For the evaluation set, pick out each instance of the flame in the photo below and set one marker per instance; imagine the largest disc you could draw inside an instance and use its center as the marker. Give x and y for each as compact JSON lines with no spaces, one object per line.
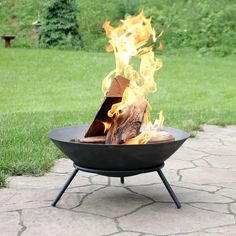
{"x":107,"y":126}
{"x":157,"y":125}
{"x":149,"y":130}
{"x":134,"y":37}
{"x":128,"y":98}
{"x":160,"y":121}
{"x":142,"y":138}
{"x":146,"y":136}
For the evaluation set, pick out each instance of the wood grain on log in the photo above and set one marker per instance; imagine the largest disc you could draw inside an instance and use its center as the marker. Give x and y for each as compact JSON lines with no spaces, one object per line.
{"x":160,"y":137}
{"x":95,"y":139}
{"x":128,"y":123}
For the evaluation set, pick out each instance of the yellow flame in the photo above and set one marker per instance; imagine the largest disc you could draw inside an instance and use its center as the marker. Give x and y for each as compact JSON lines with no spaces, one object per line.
{"x":146,"y":136}
{"x":157,"y":125}
{"x":149,"y":130}
{"x":107,"y":126}
{"x":133,"y":37}
{"x":128,"y":98}
{"x":142,"y":138}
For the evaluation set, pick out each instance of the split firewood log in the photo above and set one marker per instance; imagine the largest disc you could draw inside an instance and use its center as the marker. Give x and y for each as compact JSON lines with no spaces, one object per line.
{"x":127,"y":124}
{"x":162,"y":137}
{"x":95,"y":139}
{"x":155,"y":137}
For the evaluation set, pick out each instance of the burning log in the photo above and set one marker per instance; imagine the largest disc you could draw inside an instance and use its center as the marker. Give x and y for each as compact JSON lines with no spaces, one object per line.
{"x":162,"y":137}
{"x":127,"y":125}
{"x":95,"y":139}
{"x":154,"y":137}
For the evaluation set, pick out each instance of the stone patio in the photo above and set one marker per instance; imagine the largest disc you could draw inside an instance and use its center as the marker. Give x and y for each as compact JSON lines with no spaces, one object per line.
{"x":202,"y":173}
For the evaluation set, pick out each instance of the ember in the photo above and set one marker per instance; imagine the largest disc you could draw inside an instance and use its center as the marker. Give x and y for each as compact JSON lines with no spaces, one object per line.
{"x":125,"y":107}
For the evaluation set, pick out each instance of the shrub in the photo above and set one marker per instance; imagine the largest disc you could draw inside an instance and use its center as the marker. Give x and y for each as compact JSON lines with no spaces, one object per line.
{"x":203,"y":25}
{"x":128,"y":7}
{"x":60,"y":28}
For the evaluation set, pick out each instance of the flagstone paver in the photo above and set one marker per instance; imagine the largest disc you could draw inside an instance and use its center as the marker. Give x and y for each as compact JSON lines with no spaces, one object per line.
{"x":10,"y":223}
{"x":120,"y":201}
{"x":202,"y":174}
{"x":53,"y":221}
{"x":170,"y":220}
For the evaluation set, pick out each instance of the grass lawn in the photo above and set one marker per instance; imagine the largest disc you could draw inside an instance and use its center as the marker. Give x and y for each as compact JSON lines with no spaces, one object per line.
{"x":44,"y":89}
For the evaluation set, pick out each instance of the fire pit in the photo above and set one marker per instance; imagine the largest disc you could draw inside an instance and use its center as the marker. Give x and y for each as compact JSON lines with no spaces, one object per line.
{"x":115,"y":160}
{"x":122,"y":141}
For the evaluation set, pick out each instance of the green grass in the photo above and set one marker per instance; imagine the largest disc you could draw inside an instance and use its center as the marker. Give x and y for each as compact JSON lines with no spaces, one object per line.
{"x":3,"y":179}
{"x":44,"y":89}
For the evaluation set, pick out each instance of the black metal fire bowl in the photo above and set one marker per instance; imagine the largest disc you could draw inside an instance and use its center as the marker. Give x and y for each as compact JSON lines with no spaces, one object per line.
{"x":115,"y":160}
{"x":114,"y":157}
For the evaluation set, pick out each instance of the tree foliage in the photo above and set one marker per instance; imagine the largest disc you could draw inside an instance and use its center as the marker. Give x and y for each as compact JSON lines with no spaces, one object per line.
{"x":207,"y":26}
{"x":60,"y":27}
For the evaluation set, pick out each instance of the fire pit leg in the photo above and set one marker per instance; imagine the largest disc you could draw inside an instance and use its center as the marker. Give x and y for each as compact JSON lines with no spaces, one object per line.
{"x":67,"y":183}
{"x":170,"y":190}
{"x":122,"y":180}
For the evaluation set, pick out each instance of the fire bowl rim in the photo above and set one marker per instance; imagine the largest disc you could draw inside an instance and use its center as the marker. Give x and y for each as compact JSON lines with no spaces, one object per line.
{"x":50,"y":135}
